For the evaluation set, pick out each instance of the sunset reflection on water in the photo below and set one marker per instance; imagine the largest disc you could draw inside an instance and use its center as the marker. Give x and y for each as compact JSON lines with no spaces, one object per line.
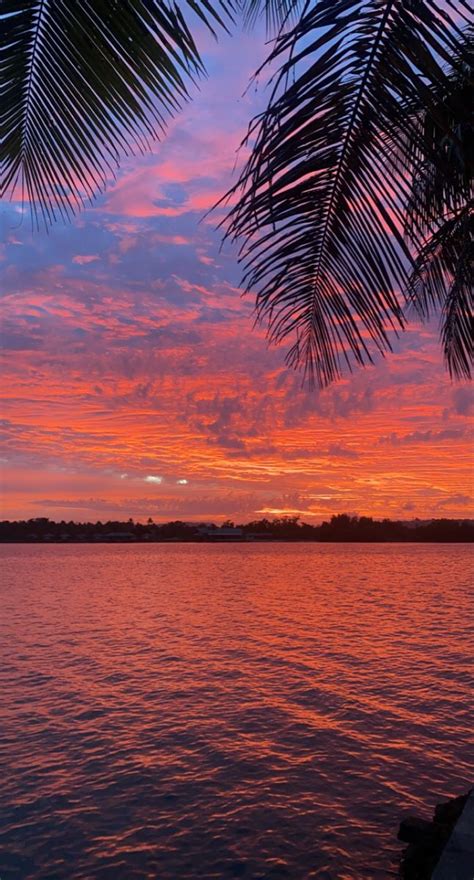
{"x":185,"y":711}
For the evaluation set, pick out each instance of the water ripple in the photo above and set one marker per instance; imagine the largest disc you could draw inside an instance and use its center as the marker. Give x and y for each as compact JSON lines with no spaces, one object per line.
{"x":176,"y":712}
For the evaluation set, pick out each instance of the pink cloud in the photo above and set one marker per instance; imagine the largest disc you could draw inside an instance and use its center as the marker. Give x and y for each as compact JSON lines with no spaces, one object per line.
{"x":84,"y":259}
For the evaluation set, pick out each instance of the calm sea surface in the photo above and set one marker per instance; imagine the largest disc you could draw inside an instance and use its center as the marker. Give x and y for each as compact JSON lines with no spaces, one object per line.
{"x":198,"y":711}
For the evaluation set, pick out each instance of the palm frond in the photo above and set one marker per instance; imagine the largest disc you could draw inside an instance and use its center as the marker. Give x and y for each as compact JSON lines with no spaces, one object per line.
{"x":85,"y":82}
{"x":220,"y":12}
{"x":442,"y":281}
{"x":457,"y":326}
{"x":441,"y":210}
{"x":442,"y":156}
{"x":322,"y":197}
{"x":278,"y":14}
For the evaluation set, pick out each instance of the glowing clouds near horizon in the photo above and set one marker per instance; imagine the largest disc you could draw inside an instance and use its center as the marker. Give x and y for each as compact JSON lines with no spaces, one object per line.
{"x":130,"y":359}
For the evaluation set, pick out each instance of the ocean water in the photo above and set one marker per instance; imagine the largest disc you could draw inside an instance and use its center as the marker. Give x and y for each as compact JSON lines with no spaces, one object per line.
{"x":248,"y":711}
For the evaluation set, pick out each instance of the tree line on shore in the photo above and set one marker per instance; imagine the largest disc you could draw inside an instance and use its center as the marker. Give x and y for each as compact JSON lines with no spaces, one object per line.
{"x":340,"y":528}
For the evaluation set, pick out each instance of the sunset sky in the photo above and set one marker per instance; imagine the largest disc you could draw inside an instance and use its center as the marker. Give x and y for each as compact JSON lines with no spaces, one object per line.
{"x":134,"y":384}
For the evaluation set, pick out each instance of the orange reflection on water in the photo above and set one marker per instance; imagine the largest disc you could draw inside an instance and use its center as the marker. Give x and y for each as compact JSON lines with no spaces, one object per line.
{"x":253,"y":709}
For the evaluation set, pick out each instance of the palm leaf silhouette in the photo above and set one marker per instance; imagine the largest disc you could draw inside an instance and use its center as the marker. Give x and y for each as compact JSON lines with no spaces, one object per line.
{"x":358,"y":190}
{"x":441,"y":210}
{"x":323,"y":198}
{"x":278,"y":14}
{"x":86,"y":82}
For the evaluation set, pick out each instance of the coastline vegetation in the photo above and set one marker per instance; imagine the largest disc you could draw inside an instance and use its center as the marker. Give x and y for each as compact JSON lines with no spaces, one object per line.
{"x":341,"y":528}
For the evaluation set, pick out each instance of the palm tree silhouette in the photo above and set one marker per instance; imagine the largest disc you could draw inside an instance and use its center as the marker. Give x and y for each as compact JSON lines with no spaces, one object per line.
{"x":357,"y":199}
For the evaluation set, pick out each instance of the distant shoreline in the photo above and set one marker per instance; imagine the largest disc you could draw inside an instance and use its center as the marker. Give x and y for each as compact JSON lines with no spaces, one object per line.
{"x":342,"y":529}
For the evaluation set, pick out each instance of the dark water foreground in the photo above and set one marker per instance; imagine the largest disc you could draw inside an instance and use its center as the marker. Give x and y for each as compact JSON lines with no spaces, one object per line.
{"x":198,"y":711}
